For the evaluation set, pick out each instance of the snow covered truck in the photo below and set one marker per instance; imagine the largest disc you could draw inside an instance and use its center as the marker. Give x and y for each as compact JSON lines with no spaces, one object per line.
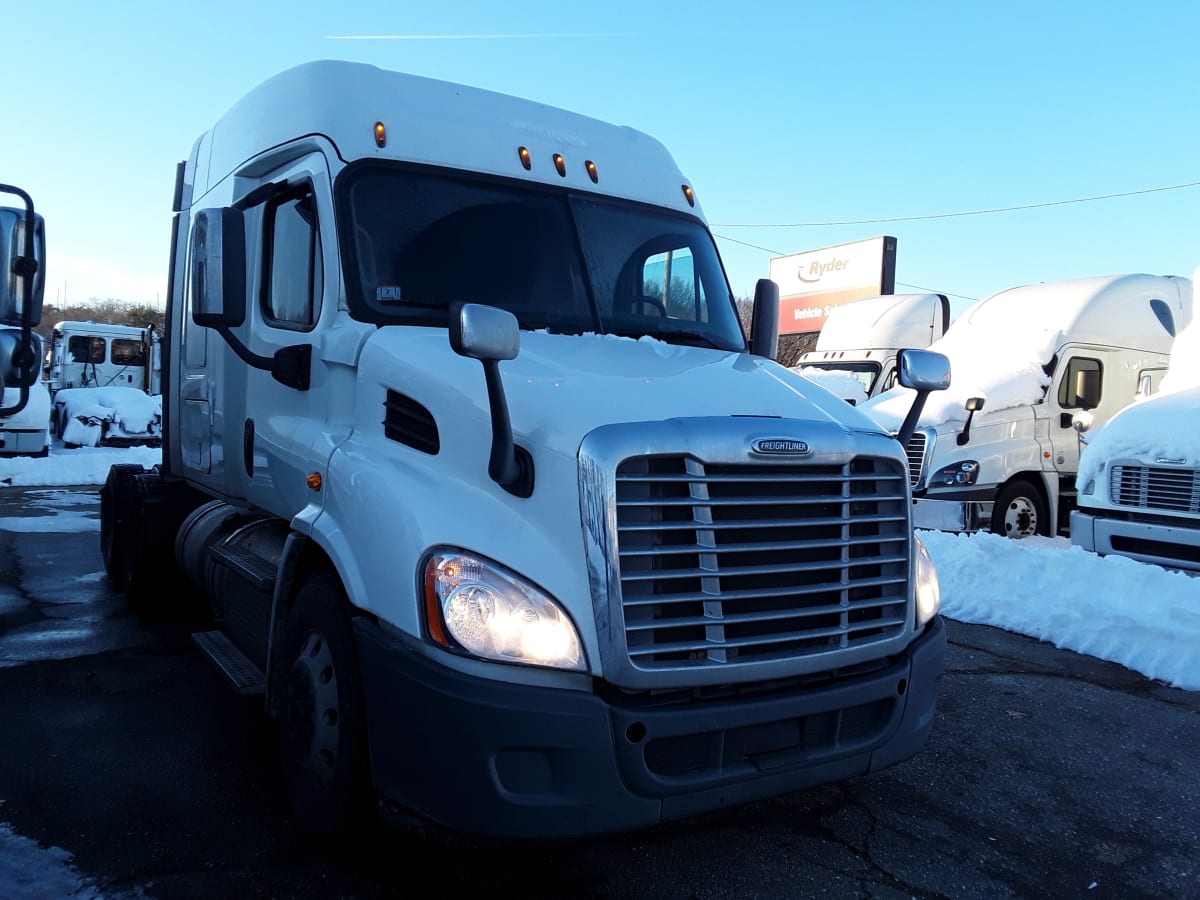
{"x":859,"y":344}
{"x":1139,"y":475}
{"x":104,"y":382}
{"x":490,"y":496}
{"x":1033,"y":366}
{"x":24,"y":403}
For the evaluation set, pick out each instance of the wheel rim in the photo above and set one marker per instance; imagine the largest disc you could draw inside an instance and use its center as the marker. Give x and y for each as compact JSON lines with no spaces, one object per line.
{"x":313,"y":722}
{"x":1020,"y":518}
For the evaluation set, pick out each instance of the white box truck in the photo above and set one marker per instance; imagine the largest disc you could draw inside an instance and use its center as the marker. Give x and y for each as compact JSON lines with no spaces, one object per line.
{"x":1139,"y":475}
{"x":1000,"y":450}
{"x":489,"y":494}
{"x":856,"y":352}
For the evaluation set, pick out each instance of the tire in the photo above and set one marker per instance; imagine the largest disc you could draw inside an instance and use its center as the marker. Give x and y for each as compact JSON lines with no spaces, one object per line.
{"x":1020,"y":511}
{"x":322,"y":733}
{"x":118,"y":497}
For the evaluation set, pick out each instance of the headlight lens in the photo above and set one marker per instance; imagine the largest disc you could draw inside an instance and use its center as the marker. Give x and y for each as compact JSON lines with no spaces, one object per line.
{"x":959,"y":473}
{"x":928,"y":594}
{"x":478,"y":607}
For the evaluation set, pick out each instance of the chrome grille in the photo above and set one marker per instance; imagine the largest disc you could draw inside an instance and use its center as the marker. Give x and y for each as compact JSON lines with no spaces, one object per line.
{"x":741,"y":563}
{"x":1149,"y":487}
{"x":915,"y":451}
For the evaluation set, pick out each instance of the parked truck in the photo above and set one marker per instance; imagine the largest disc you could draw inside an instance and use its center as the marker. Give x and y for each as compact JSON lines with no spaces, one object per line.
{"x":24,"y":402}
{"x":1139,"y":475}
{"x":104,"y":382}
{"x":860,"y":342}
{"x":491,"y":498}
{"x":1001,"y":450}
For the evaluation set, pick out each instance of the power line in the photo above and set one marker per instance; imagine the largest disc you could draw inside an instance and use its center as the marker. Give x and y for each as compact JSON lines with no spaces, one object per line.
{"x":973,"y":212}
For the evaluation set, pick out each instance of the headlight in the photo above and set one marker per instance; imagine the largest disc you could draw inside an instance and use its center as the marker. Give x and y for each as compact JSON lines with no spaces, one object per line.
{"x":928,"y":594}
{"x":1088,"y":488}
{"x":959,"y":473}
{"x":480,"y":608}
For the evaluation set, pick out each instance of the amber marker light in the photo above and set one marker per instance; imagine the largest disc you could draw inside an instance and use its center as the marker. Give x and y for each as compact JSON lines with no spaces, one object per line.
{"x":592,"y":173}
{"x":691,"y":197}
{"x":526,"y":159}
{"x":380,"y":134}
{"x":433,"y":609}
{"x":313,"y":481}
{"x":560,"y":164}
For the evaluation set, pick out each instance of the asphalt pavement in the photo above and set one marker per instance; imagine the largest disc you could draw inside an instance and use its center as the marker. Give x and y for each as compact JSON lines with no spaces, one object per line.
{"x":1049,"y":774}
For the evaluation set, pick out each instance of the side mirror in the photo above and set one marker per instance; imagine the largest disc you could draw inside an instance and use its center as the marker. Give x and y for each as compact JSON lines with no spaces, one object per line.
{"x":1083,"y":421}
{"x":491,"y":335}
{"x":484,"y":332}
{"x":218,"y":268}
{"x":764,"y":323}
{"x":22,"y":276}
{"x":972,"y":406}
{"x":924,"y":372}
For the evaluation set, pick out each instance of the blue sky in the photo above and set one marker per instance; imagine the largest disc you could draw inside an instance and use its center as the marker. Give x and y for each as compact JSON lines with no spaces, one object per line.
{"x":778,"y":113}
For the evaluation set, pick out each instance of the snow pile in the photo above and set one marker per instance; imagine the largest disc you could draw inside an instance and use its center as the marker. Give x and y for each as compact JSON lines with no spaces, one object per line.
{"x":1004,"y":362}
{"x":85,"y":465}
{"x":1141,"y":616}
{"x":839,"y":382}
{"x":95,"y":415}
{"x":29,"y":871}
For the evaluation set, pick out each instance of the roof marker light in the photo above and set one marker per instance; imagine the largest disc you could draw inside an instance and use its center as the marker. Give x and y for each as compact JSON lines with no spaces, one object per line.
{"x":560,"y":164}
{"x":380,"y":134}
{"x":691,"y":197}
{"x":592,"y":173}
{"x":526,"y":160}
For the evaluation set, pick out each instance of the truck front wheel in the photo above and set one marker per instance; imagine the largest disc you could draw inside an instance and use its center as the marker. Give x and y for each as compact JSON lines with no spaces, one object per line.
{"x":1020,"y":511}
{"x":322,"y":724}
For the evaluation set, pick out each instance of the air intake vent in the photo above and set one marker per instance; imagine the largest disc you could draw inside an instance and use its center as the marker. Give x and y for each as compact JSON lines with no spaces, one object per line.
{"x":408,"y":422}
{"x":915,"y":451}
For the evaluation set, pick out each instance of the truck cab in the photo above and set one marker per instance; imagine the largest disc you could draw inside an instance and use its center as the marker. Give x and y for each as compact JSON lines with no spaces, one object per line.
{"x":1139,"y":475}
{"x":490,"y":497}
{"x":1034,"y":366}
{"x":861,"y":341}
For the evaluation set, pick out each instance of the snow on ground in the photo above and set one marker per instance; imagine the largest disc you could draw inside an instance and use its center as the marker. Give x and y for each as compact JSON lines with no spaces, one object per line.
{"x":31,"y":872}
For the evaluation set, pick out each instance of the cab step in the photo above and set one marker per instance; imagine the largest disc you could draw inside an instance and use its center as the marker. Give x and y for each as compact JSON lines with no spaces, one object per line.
{"x":245,"y":677}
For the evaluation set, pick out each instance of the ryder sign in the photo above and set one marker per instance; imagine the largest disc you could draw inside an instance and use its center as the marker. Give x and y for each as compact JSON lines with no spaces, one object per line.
{"x":813,"y":282}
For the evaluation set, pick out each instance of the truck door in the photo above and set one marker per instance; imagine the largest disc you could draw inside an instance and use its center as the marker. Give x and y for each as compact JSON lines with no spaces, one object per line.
{"x":1087,"y":379}
{"x":293,"y":289}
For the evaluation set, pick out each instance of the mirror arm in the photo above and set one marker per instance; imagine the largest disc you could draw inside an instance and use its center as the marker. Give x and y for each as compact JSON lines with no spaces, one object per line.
{"x":965,"y":435}
{"x":910,"y":421}
{"x":290,"y":366}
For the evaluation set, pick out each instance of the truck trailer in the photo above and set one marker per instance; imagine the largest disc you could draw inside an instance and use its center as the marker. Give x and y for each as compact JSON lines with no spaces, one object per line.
{"x":1034,"y":366}
{"x":490,"y":496}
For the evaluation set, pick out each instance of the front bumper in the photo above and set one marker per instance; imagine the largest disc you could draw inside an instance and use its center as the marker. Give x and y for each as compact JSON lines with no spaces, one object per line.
{"x":504,"y":760}
{"x":957,"y":514}
{"x":1168,"y":545}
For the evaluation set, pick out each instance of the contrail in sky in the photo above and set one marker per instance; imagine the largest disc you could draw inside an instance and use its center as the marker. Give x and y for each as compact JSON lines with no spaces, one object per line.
{"x":462,"y":37}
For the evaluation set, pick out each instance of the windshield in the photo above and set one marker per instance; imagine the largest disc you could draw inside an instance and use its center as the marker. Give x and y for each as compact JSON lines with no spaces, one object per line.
{"x":865,"y":372}
{"x":417,"y":240}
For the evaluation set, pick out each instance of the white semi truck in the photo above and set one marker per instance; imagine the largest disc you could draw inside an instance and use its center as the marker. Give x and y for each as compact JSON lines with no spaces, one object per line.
{"x":489,"y":494}
{"x":859,"y":345}
{"x":1000,"y":451}
{"x":1139,"y":475}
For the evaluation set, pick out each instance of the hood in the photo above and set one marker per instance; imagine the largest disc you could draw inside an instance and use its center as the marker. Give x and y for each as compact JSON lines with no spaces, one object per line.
{"x":1163,"y":430}
{"x":561,"y":387}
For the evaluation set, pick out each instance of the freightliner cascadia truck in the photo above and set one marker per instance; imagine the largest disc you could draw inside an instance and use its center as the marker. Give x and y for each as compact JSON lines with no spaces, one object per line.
{"x":490,"y":496}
